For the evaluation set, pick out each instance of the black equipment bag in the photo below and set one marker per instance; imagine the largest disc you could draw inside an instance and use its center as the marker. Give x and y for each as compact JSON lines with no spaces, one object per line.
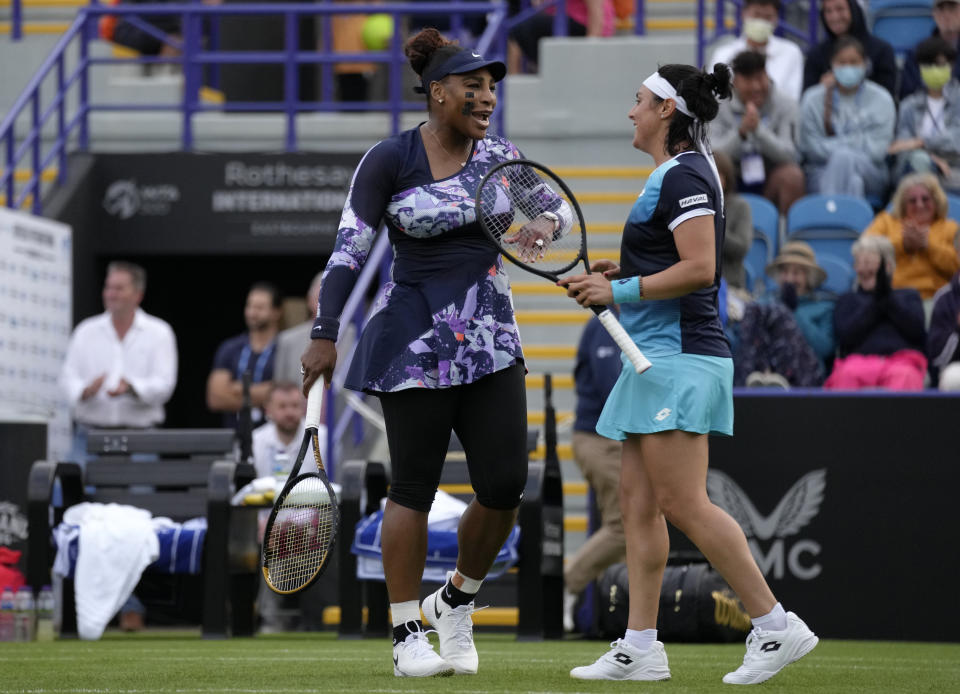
{"x":696,"y":605}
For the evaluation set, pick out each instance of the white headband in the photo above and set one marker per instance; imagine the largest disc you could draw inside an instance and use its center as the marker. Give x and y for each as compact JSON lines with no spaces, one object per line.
{"x":662,"y":88}
{"x":659,"y":86}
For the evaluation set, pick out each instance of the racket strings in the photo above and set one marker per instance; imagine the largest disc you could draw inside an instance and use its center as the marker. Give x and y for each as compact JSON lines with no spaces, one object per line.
{"x":515,"y":196}
{"x":301,"y":535}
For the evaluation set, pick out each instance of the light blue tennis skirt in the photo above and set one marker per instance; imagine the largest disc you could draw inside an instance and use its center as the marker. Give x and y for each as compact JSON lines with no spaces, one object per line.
{"x":690,"y":392}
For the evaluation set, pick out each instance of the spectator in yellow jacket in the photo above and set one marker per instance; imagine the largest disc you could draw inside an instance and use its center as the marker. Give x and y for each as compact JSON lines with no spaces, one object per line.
{"x":921,"y":235}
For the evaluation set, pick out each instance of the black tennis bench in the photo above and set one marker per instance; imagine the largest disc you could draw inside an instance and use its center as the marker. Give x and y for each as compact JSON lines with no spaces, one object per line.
{"x":536,"y":580}
{"x":191,"y":473}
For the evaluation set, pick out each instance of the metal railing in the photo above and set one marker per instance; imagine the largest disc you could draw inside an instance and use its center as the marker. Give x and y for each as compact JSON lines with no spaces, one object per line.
{"x":196,"y":57}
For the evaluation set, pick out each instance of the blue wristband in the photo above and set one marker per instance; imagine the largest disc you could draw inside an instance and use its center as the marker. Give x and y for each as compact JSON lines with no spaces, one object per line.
{"x":626,"y":290}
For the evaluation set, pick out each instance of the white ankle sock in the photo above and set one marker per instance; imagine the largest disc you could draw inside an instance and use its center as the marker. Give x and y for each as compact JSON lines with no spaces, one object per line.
{"x":640,"y":639}
{"x":471,"y":586}
{"x":403,"y":612}
{"x":774,"y":620}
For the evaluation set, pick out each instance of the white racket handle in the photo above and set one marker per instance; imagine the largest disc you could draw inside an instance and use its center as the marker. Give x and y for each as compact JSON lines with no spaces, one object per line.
{"x":624,"y":341}
{"x":315,"y":404}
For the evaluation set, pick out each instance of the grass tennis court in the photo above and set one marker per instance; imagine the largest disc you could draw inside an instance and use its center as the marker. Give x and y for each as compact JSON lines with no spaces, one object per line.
{"x":181,"y":662}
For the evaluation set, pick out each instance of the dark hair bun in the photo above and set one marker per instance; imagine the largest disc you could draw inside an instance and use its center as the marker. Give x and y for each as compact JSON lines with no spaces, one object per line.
{"x":420,"y":48}
{"x":719,"y":82}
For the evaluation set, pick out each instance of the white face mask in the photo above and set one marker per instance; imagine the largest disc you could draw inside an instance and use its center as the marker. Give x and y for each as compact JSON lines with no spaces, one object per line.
{"x":757,"y":30}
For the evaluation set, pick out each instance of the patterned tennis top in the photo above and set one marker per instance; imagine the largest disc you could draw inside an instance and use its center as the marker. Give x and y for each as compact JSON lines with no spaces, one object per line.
{"x":446,"y":316}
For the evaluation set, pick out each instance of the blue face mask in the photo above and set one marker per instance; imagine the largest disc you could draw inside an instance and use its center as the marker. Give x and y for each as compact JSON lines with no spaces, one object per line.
{"x":849,"y":76}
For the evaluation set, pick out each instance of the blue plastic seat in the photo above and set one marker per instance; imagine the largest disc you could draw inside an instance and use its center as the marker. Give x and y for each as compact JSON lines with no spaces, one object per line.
{"x":766,"y":223}
{"x":830,"y":224}
{"x":953,"y":206}
{"x":840,"y":274}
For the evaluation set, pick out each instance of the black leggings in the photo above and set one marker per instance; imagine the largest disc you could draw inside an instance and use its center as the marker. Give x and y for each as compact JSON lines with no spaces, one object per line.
{"x":489,"y":417}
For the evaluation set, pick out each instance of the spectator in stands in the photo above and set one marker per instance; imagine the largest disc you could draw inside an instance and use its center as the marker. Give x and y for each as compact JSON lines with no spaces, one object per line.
{"x":121,"y":365}
{"x":846,"y":128}
{"x":785,"y":340}
{"x":292,"y":341}
{"x":943,"y":342}
{"x":921,"y":235}
{"x":756,"y":129}
{"x":784,"y":58}
{"x":584,"y":18}
{"x":879,"y":330}
{"x":253,"y":351}
{"x":739,"y":224}
{"x":928,"y":130}
{"x":277,"y":443}
{"x":120,"y":370}
{"x":596,"y":370}
{"x":946,"y":14}
{"x":845,"y":18}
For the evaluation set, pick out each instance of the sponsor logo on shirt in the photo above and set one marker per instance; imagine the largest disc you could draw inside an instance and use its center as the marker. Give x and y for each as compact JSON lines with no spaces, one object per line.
{"x":693,"y":200}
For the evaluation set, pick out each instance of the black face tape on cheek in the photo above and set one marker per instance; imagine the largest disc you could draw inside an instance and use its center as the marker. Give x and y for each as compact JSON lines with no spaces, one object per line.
{"x":467,"y":108}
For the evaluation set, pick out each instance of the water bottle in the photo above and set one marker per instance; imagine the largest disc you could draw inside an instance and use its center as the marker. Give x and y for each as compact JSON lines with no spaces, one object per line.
{"x":24,"y":619}
{"x":45,"y":631}
{"x":7,"y":613}
{"x":281,"y":466}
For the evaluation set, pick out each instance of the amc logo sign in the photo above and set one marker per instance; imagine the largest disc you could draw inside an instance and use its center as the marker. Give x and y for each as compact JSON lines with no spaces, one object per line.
{"x":773,"y":538}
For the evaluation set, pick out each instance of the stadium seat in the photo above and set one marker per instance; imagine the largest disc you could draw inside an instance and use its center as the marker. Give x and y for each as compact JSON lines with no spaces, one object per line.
{"x":830,"y":224}
{"x":953,"y":206}
{"x":766,"y":223}
{"x":840,"y":274}
{"x":901,"y":23}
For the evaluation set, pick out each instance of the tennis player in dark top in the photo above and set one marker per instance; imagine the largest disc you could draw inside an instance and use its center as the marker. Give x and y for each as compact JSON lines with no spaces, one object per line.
{"x":442,"y":350}
{"x":666,"y":285}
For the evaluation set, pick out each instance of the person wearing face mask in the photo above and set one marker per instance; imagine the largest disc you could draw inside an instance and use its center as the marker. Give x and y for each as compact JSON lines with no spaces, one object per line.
{"x":946,"y":15}
{"x":928,"y":130}
{"x":846,"y":128}
{"x":784,"y":58}
{"x":845,"y":18}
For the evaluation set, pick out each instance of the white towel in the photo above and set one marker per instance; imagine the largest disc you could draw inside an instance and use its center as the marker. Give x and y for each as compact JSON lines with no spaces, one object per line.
{"x":116,"y":544}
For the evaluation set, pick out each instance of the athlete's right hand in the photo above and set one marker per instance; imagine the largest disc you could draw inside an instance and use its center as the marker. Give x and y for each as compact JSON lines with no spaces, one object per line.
{"x":610,"y":269}
{"x":318,"y":361}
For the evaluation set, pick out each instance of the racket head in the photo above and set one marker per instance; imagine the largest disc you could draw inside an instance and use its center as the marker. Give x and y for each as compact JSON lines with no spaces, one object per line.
{"x":516,"y":192}
{"x":302,"y":529}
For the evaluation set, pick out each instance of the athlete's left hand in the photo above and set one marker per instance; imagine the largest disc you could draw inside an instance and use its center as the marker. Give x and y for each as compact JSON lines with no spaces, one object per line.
{"x":532,"y":239}
{"x":588,"y":290}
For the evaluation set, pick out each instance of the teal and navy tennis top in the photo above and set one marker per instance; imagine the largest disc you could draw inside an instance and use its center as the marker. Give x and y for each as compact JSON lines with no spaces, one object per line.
{"x":679,"y":189}
{"x":446,"y":317}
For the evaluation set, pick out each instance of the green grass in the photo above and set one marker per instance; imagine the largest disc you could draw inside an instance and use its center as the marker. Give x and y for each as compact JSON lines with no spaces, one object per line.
{"x":179,"y":662}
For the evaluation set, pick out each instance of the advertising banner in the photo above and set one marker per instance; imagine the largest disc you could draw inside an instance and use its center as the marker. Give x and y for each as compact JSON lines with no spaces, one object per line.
{"x":189,"y":203}
{"x":35,"y":325}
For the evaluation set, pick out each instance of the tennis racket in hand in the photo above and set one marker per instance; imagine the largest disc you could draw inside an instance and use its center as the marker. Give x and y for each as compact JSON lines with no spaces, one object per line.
{"x":534,"y":219}
{"x":303,"y":525}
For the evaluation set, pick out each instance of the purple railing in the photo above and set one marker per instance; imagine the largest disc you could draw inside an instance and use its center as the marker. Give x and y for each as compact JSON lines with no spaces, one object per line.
{"x":194,"y":59}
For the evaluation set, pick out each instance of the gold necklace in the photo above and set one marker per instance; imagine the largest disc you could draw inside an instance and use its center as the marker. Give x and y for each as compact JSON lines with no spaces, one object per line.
{"x":462,"y":163}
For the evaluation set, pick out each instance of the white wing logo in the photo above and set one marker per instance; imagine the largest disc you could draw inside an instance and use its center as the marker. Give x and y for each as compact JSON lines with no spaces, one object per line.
{"x":795,"y":510}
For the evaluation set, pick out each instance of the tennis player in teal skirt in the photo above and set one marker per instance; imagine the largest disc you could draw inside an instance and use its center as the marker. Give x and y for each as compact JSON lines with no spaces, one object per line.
{"x":666,"y":285}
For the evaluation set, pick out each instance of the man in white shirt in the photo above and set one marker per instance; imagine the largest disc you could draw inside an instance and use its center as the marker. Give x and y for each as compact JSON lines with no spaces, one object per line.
{"x":120,"y":370}
{"x":784,"y":58}
{"x":121,"y":365}
{"x":277,"y":443}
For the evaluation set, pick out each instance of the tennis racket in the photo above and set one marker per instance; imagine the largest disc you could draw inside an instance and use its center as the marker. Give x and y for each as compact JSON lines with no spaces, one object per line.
{"x":302,"y":528}
{"x":536,"y":222}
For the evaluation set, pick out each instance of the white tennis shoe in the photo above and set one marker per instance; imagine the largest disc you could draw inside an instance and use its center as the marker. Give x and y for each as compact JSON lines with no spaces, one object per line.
{"x":625,"y":662}
{"x":768,"y":652}
{"x":454,"y":626}
{"x":415,"y":657}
